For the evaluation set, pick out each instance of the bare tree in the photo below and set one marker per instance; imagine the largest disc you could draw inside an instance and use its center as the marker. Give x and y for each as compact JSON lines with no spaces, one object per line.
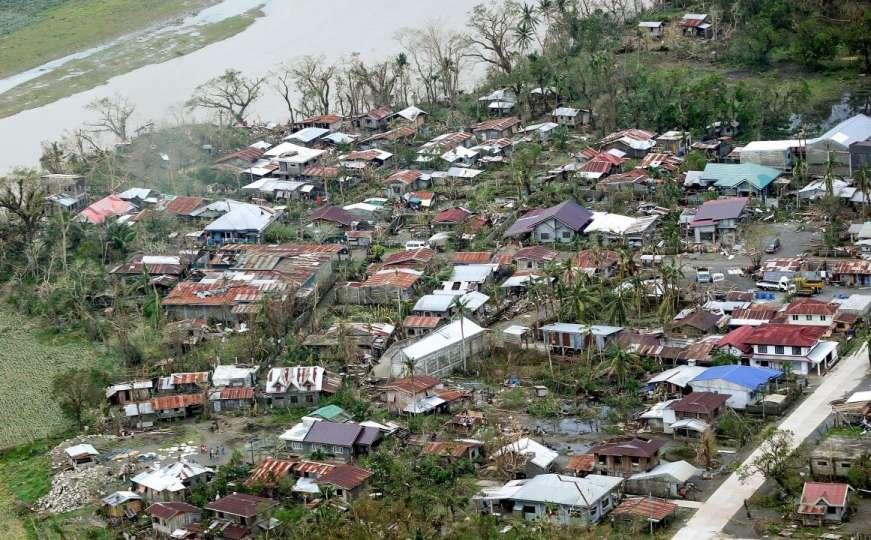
{"x":24,"y":198}
{"x":492,"y":36}
{"x":230,"y":93}
{"x":113,"y":115}
{"x":438,"y":58}
{"x":282,"y":82}
{"x":379,"y":79}
{"x":314,"y":78}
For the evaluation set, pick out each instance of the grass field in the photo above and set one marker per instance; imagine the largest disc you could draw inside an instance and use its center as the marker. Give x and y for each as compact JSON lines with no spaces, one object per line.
{"x":28,"y":363}
{"x":41,"y":30}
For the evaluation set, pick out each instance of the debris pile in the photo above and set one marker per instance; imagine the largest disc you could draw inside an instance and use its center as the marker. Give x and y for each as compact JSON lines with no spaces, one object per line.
{"x":73,"y":489}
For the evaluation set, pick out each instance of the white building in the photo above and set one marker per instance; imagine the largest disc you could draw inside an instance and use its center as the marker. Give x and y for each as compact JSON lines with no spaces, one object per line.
{"x":441,"y":351}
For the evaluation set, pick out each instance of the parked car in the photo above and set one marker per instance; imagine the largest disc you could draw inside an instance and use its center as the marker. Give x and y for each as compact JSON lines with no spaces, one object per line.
{"x":411,"y":245}
{"x":773,"y":246}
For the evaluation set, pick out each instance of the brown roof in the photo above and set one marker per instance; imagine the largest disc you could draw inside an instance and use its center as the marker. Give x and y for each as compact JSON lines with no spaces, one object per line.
{"x":451,"y":394}
{"x":270,"y":471}
{"x":406,"y":176}
{"x":410,"y":385}
{"x":421,"y":321}
{"x":589,"y":258}
{"x":699,"y":319}
{"x":472,"y":257}
{"x":319,"y":171}
{"x":168,"y":510}
{"x":497,"y":124}
{"x":322,"y":119}
{"x":452,"y":215}
{"x":379,"y":113}
{"x":217,"y":293}
{"x":241,"y":504}
{"x":197,"y":377}
{"x":249,"y":153}
{"x":346,"y":476}
{"x":183,"y":206}
{"x":447,"y":448}
{"x":626,"y":446}
{"x":699,"y":403}
{"x":163,"y":403}
{"x":809,"y":306}
{"x":401,"y":258}
{"x":582,"y":463}
{"x":395,"y":277}
{"x":646,"y":507}
{"x":536,"y":253}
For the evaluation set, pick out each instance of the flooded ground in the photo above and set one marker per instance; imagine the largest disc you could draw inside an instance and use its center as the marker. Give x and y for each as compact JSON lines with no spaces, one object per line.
{"x":288,"y":29}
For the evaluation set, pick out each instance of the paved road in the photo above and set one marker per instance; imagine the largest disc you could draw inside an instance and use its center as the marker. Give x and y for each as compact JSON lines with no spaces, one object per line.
{"x":715,"y":513}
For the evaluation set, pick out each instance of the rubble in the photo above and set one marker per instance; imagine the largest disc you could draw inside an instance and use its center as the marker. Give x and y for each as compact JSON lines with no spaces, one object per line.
{"x":75,"y":488}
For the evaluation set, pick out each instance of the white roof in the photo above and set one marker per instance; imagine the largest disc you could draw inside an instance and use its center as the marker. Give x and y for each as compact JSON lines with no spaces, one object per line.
{"x":505,"y":94}
{"x":854,"y":129}
{"x":120,"y":497}
{"x":442,"y":338}
{"x":462,"y":172}
{"x":137,"y":409}
{"x":477,"y":273}
{"x":691,"y":423}
{"x":637,"y":144}
{"x":658,"y":410}
{"x":859,"y":397}
{"x":366,"y":207}
{"x":340,"y":138}
{"x":308,"y":378}
{"x":540,"y":455}
{"x":567,"y":490}
{"x":308,"y":134}
{"x":522,"y":281}
{"x":293,"y":153}
{"x":618,"y":224}
{"x":516,"y":330}
{"x":80,"y":449}
{"x":438,"y":303}
{"x":423,"y":405}
{"x":161,"y":259}
{"x":821,"y":350}
{"x":768,"y":146}
{"x":170,"y":477}
{"x":859,"y":303}
{"x":678,"y":471}
{"x":223,"y":206}
{"x":650,"y":24}
{"x":572,"y":328}
{"x":271,"y":185}
{"x":249,"y":217}
{"x":473,"y":300}
{"x":543,"y":127}
{"x":135,"y":385}
{"x":565,"y":111}
{"x":306,"y":485}
{"x":225,"y":375}
{"x":136,"y":193}
{"x":410,"y":113}
{"x":458,"y":153}
{"x":678,"y":376}
{"x":300,"y":430}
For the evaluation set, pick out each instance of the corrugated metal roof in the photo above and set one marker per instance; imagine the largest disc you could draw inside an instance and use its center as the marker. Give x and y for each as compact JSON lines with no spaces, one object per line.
{"x":746,"y":376}
{"x":650,"y":508}
{"x":569,"y":213}
{"x":175,"y":402}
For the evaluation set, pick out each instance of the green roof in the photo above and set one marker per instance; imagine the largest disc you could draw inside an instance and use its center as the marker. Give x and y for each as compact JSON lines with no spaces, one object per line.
{"x":729,"y":175}
{"x":331,"y":412}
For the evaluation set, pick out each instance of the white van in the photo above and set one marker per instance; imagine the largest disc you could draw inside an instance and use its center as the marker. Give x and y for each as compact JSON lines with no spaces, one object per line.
{"x":411,"y":245}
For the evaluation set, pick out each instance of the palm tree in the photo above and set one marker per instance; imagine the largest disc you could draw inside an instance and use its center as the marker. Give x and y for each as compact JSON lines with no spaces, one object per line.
{"x":619,"y":363}
{"x":863,"y":184}
{"x":460,"y":310}
{"x":615,"y":306}
{"x":409,"y":366}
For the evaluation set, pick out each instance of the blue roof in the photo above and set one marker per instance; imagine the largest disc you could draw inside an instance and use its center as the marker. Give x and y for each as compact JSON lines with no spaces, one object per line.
{"x":746,"y":376}
{"x":729,"y":175}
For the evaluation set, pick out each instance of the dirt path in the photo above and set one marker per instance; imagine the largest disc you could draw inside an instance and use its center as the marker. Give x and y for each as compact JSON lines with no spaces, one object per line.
{"x":716,"y":512}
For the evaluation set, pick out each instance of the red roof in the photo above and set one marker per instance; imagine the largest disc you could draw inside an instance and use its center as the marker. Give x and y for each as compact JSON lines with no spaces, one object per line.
{"x":406,"y":176}
{"x":411,"y":385}
{"x":363,"y":155}
{"x":737,"y":338}
{"x":390,"y":276}
{"x":785,"y":334}
{"x":816,"y":496}
{"x":646,"y":507}
{"x":699,"y":403}
{"x":334,"y":214}
{"x":191,"y":293}
{"x":196,"y":377}
{"x":168,"y":510}
{"x":597,"y":166}
{"x":421,"y":321}
{"x":234,"y":392}
{"x":582,"y":463}
{"x":345,"y":476}
{"x":809,"y":306}
{"x":270,"y":471}
{"x":472,"y":257}
{"x":163,"y":403}
{"x":452,"y":215}
{"x":183,"y":206}
{"x":589,"y":258}
{"x":379,"y":113}
{"x":108,"y":206}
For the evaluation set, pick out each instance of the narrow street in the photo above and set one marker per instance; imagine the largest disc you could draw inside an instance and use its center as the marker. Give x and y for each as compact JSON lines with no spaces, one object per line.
{"x":715,"y":513}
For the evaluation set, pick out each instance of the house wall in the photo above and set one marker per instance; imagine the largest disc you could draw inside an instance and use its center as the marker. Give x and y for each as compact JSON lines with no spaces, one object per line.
{"x":294,"y":398}
{"x":565,"y":515}
{"x":655,"y":487}
{"x":444,"y":361}
{"x":553,"y":231}
{"x":624,"y":465}
{"x":343,"y":453}
{"x":825,"y":465}
{"x":810,"y":320}
{"x":739,"y":397}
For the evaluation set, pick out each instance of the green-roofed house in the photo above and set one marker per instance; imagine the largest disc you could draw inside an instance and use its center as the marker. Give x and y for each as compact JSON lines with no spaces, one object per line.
{"x":332,"y":413}
{"x":740,"y":179}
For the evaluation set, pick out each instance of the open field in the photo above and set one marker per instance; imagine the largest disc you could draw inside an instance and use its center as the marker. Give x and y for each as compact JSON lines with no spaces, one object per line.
{"x":44,"y":29}
{"x":28,"y":362}
{"x":152,"y":47}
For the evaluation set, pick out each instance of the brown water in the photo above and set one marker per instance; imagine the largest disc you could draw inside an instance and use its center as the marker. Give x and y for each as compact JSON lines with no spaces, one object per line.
{"x":291,"y":28}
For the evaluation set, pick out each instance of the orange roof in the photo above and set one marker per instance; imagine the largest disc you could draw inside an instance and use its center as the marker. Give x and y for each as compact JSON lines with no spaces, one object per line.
{"x":183,"y":206}
{"x":318,"y":171}
{"x":395,"y":277}
{"x":410,"y":385}
{"x":450,"y":394}
{"x":240,"y":392}
{"x":809,"y":306}
{"x":497,"y":124}
{"x":406,"y":176}
{"x":472,"y":257}
{"x":401,"y":258}
{"x":190,"y":293}
{"x":581,"y":463}
{"x":196,"y":377}
{"x":270,"y":471}
{"x":646,"y":507}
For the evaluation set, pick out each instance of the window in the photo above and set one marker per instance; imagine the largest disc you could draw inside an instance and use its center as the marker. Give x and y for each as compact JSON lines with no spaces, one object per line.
{"x":529,"y":264}
{"x":567,"y":234}
{"x":296,"y":445}
{"x":795,"y":317}
{"x":635,"y":460}
{"x":823,"y":463}
{"x":294,"y":399}
{"x":763,"y":349}
{"x":796,"y":351}
{"x":309,"y":399}
{"x":831,"y":510}
{"x":544,"y":236}
{"x":527,"y":509}
{"x":809,"y":317}
{"x":778,"y":349}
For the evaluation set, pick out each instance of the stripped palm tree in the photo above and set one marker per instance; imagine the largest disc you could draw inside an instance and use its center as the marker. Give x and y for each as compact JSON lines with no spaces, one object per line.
{"x":618,"y":365}
{"x":460,"y":310}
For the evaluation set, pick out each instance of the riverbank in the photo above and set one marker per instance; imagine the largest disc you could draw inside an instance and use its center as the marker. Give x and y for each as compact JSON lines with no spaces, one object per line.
{"x":79,"y":73}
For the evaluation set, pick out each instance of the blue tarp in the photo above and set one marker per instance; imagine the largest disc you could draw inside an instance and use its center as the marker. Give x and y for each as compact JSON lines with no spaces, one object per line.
{"x":746,"y":376}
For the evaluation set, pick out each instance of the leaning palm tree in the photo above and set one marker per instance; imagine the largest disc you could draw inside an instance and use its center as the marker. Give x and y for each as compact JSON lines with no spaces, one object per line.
{"x":409,"y":366}
{"x":619,"y":363}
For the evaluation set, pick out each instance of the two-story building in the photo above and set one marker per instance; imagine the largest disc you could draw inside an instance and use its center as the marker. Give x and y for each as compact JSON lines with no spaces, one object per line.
{"x":299,"y":386}
{"x":718,"y":220}
{"x":625,"y":456}
{"x":800,"y":347}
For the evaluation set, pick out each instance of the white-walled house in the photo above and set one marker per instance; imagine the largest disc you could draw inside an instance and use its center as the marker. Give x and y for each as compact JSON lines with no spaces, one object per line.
{"x":745,"y":385}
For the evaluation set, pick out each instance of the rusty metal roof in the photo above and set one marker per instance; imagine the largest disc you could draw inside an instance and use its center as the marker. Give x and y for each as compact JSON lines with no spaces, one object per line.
{"x":421,"y":321}
{"x":499,"y":124}
{"x":412,"y":385}
{"x":397,"y":277}
{"x":406,"y":176}
{"x":401,"y":258}
{"x":233,"y":392}
{"x":270,"y":471}
{"x":646,"y":507}
{"x":163,"y":403}
{"x":472,"y":257}
{"x":197,"y":377}
{"x":447,"y":448}
{"x":345,"y":476}
{"x":241,"y":504}
{"x":183,"y":206}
